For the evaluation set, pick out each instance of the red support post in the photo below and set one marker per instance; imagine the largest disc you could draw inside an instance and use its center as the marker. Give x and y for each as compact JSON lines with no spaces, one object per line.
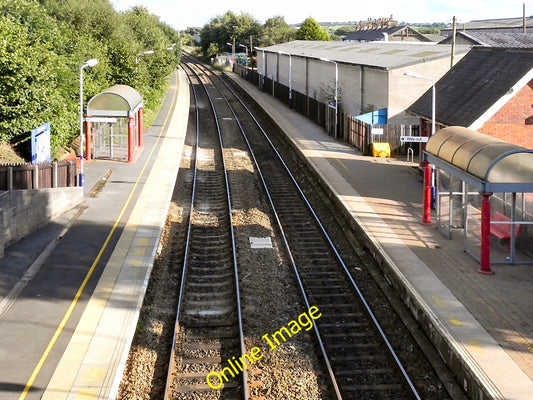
{"x":485,"y":235}
{"x":88,"y":138}
{"x":426,"y":216}
{"x":131,"y":138}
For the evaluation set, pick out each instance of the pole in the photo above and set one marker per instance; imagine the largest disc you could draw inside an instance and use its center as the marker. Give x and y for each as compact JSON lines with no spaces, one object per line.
{"x":454,"y":30}
{"x":336,"y":97}
{"x":90,"y":63}
{"x":426,"y":214}
{"x":485,"y":235}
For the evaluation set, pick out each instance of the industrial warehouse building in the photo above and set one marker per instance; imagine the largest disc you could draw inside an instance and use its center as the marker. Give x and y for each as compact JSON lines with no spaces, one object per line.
{"x":370,"y":76}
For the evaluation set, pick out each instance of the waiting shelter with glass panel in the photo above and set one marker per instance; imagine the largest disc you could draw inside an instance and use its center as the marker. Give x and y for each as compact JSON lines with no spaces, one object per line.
{"x":114,"y":124}
{"x":484,"y":190}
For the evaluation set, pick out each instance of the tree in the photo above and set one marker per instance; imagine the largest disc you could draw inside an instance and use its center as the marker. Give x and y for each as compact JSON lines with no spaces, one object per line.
{"x":43,"y":43}
{"x":312,"y":30}
{"x":228,"y":28}
{"x":275,"y":31}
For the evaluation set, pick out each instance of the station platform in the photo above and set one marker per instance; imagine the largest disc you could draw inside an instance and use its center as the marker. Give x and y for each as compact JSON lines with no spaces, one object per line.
{"x":71,"y":292}
{"x":482,"y":325}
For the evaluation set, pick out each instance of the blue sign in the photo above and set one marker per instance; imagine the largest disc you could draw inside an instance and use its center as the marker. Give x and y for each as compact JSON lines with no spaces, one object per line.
{"x":40,"y":144}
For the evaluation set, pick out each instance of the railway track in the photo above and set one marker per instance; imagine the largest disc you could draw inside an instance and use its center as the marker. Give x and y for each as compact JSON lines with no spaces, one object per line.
{"x":357,"y":355}
{"x":208,"y":326}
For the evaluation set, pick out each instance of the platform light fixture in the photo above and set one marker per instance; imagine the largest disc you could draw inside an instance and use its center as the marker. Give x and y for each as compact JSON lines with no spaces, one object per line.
{"x":144,"y":53}
{"x":89,"y":63}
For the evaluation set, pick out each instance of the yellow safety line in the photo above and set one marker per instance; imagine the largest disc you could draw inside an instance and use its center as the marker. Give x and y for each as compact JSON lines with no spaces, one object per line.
{"x":74,"y":302}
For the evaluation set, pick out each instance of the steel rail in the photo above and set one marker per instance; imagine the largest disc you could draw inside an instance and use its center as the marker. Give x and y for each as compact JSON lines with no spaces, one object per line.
{"x":331,"y":244}
{"x":168,"y":391}
{"x":229,"y":213}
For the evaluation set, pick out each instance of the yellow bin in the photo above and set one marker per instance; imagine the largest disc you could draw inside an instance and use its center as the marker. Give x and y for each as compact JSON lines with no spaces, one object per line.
{"x":380,"y":149}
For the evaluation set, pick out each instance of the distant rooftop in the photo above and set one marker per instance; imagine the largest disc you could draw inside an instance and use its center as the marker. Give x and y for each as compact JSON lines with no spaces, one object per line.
{"x":395,"y":33}
{"x":496,"y":39}
{"x":386,"y":55}
{"x":500,"y":24}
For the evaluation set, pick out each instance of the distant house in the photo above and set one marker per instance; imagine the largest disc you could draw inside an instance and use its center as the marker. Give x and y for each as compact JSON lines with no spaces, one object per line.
{"x":392,"y":34}
{"x":515,"y":25}
{"x":492,"y":39}
{"x":489,"y":90}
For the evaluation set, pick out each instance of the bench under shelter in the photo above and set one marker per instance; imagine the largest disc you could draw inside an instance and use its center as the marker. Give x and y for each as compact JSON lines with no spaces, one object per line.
{"x":484,"y":190}
{"x":114,"y":124}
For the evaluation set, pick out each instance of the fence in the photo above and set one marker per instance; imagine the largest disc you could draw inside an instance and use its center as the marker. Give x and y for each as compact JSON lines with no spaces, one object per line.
{"x":347,"y":127}
{"x":38,"y":176}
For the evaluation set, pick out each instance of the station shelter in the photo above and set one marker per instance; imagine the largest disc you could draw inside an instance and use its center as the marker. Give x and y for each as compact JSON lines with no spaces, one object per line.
{"x":114,"y":124}
{"x":484,"y":191}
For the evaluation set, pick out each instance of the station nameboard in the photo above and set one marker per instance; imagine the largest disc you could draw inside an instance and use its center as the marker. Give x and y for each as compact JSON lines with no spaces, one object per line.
{"x":40,"y":144}
{"x":414,"y":139}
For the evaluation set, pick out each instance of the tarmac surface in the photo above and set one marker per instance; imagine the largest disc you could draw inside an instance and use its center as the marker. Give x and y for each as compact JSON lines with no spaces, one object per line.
{"x":67,"y":319}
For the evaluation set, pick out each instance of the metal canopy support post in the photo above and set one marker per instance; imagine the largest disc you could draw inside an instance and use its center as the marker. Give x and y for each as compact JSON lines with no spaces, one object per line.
{"x":485,"y":235}
{"x":426,"y":217}
{"x":512,"y":239}
{"x":131,"y":136}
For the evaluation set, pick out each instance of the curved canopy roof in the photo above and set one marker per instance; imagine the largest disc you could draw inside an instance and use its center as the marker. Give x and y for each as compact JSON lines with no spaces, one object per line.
{"x":490,"y":164}
{"x":117,"y":101}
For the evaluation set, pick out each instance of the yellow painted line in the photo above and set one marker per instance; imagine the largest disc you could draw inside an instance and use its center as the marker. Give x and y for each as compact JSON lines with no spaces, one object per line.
{"x":456,"y":322}
{"x":342,"y":164}
{"x":438,"y":301}
{"x":74,"y":302}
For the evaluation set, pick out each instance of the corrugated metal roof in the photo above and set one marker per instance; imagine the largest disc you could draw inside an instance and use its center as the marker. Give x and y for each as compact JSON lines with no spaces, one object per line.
{"x":496,"y":165}
{"x":386,"y":55}
{"x":117,"y":101}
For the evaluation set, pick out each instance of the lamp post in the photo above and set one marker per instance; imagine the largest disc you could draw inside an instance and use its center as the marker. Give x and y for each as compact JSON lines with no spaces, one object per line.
{"x":428,"y":170}
{"x":418,"y":76}
{"x":90,"y":63}
{"x":336,"y":90}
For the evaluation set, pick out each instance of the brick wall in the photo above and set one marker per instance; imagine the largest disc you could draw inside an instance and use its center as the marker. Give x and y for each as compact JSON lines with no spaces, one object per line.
{"x":509,"y":123}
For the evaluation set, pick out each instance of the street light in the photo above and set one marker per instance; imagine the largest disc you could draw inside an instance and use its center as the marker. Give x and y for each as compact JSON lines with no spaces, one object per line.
{"x":429,"y":176}
{"x":143,"y":54}
{"x":232,"y":47}
{"x":245,"y":48}
{"x":418,"y":76}
{"x":90,"y":63}
{"x":336,"y":90}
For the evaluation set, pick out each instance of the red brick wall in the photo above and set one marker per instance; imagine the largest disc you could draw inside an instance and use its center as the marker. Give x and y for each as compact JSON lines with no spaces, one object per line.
{"x":509,"y":123}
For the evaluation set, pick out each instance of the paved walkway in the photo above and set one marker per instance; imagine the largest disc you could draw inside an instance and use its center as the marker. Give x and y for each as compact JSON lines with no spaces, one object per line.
{"x":67,"y":333}
{"x":483,"y":325}
{"x":94,"y":360}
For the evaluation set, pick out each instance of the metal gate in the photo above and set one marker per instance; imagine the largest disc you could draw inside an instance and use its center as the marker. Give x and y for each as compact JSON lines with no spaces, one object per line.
{"x":110,"y":139}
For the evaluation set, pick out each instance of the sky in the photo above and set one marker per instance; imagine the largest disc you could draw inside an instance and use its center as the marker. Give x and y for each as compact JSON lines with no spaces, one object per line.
{"x":187,"y":13}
